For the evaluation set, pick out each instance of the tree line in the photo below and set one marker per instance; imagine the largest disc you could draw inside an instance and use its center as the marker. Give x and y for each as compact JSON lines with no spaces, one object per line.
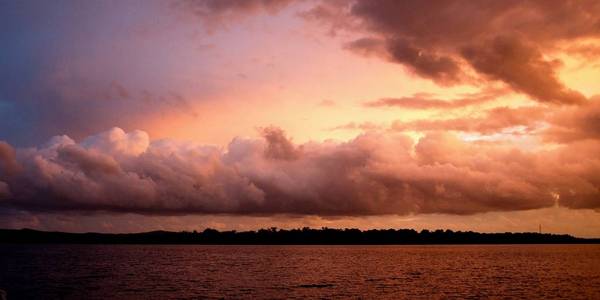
{"x":303,"y":236}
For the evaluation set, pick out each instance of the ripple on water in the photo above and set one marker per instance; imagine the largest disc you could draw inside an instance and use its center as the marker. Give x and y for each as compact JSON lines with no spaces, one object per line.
{"x":297,"y":272}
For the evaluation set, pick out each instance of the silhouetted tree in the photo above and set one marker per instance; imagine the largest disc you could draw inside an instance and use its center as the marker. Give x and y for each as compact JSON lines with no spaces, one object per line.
{"x":287,"y":237}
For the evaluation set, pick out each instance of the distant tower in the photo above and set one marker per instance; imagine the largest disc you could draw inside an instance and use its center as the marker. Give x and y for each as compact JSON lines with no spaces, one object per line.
{"x":540,"y":228}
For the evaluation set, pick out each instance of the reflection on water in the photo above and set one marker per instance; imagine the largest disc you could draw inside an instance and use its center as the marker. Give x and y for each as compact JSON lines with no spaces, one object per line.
{"x":425,"y":272}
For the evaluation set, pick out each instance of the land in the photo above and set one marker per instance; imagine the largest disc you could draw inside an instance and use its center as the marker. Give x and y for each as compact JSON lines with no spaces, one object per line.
{"x":304,"y":236}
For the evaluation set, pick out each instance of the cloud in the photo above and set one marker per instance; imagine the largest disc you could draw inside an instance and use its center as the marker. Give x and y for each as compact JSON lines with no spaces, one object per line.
{"x":373,"y":174}
{"x":587,"y":51}
{"x":236,"y":6}
{"x":91,"y":163}
{"x":365,"y":126}
{"x":554,"y":125}
{"x":4,"y":190}
{"x":327,"y":103}
{"x":217,"y":13}
{"x":442,"y":69}
{"x":522,"y":67}
{"x":118,"y":142}
{"x":428,"y":101}
{"x":575,"y":123}
{"x":8,"y":163}
{"x":279,"y":146}
{"x":452,"y":42}
{"x":332,"y":13}
{"x":492,"y":121}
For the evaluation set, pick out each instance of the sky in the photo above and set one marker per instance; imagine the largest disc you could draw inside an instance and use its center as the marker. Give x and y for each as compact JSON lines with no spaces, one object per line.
{"x":128,"y":116}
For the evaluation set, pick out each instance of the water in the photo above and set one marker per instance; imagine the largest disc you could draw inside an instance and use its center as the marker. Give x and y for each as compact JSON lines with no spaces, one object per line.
{"x":232,"y":272}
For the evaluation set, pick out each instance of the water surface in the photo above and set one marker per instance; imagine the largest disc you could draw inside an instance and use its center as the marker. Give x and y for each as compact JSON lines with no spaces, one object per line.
{"x":233,"y":272}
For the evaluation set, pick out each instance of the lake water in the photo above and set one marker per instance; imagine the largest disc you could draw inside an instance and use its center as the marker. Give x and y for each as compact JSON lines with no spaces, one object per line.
{"x":233,"y":272}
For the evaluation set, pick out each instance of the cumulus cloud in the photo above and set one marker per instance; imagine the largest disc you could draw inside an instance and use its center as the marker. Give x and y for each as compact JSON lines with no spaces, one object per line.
{"x":462,"y":41}
{"x":117,"y":142}
{"x":279,"y":146}
{"x":373,"y":174}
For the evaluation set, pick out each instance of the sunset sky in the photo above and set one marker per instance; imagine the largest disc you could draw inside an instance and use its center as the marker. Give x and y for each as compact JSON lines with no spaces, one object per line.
{"x":126,"y":116}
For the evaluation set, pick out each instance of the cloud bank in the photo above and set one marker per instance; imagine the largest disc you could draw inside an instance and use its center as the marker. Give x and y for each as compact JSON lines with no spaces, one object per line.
{"x":373,"y":174}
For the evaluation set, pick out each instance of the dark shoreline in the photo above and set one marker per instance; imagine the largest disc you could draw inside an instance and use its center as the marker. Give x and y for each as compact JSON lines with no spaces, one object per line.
{"x":305,"y":236}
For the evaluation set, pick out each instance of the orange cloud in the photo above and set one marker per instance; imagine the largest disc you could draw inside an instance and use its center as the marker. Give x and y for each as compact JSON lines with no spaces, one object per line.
{"x":447,"y":41}
{"x":427,"y":101}
{"x":494,"y":120}
{"x":576,"y":123}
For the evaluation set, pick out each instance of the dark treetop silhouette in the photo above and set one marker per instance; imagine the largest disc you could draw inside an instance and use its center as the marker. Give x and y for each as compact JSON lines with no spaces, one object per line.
{"x":324,"y":236}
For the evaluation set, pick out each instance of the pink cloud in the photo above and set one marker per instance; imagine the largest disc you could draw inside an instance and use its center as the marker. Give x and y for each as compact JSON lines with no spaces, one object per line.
{"x":374,"y":174}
